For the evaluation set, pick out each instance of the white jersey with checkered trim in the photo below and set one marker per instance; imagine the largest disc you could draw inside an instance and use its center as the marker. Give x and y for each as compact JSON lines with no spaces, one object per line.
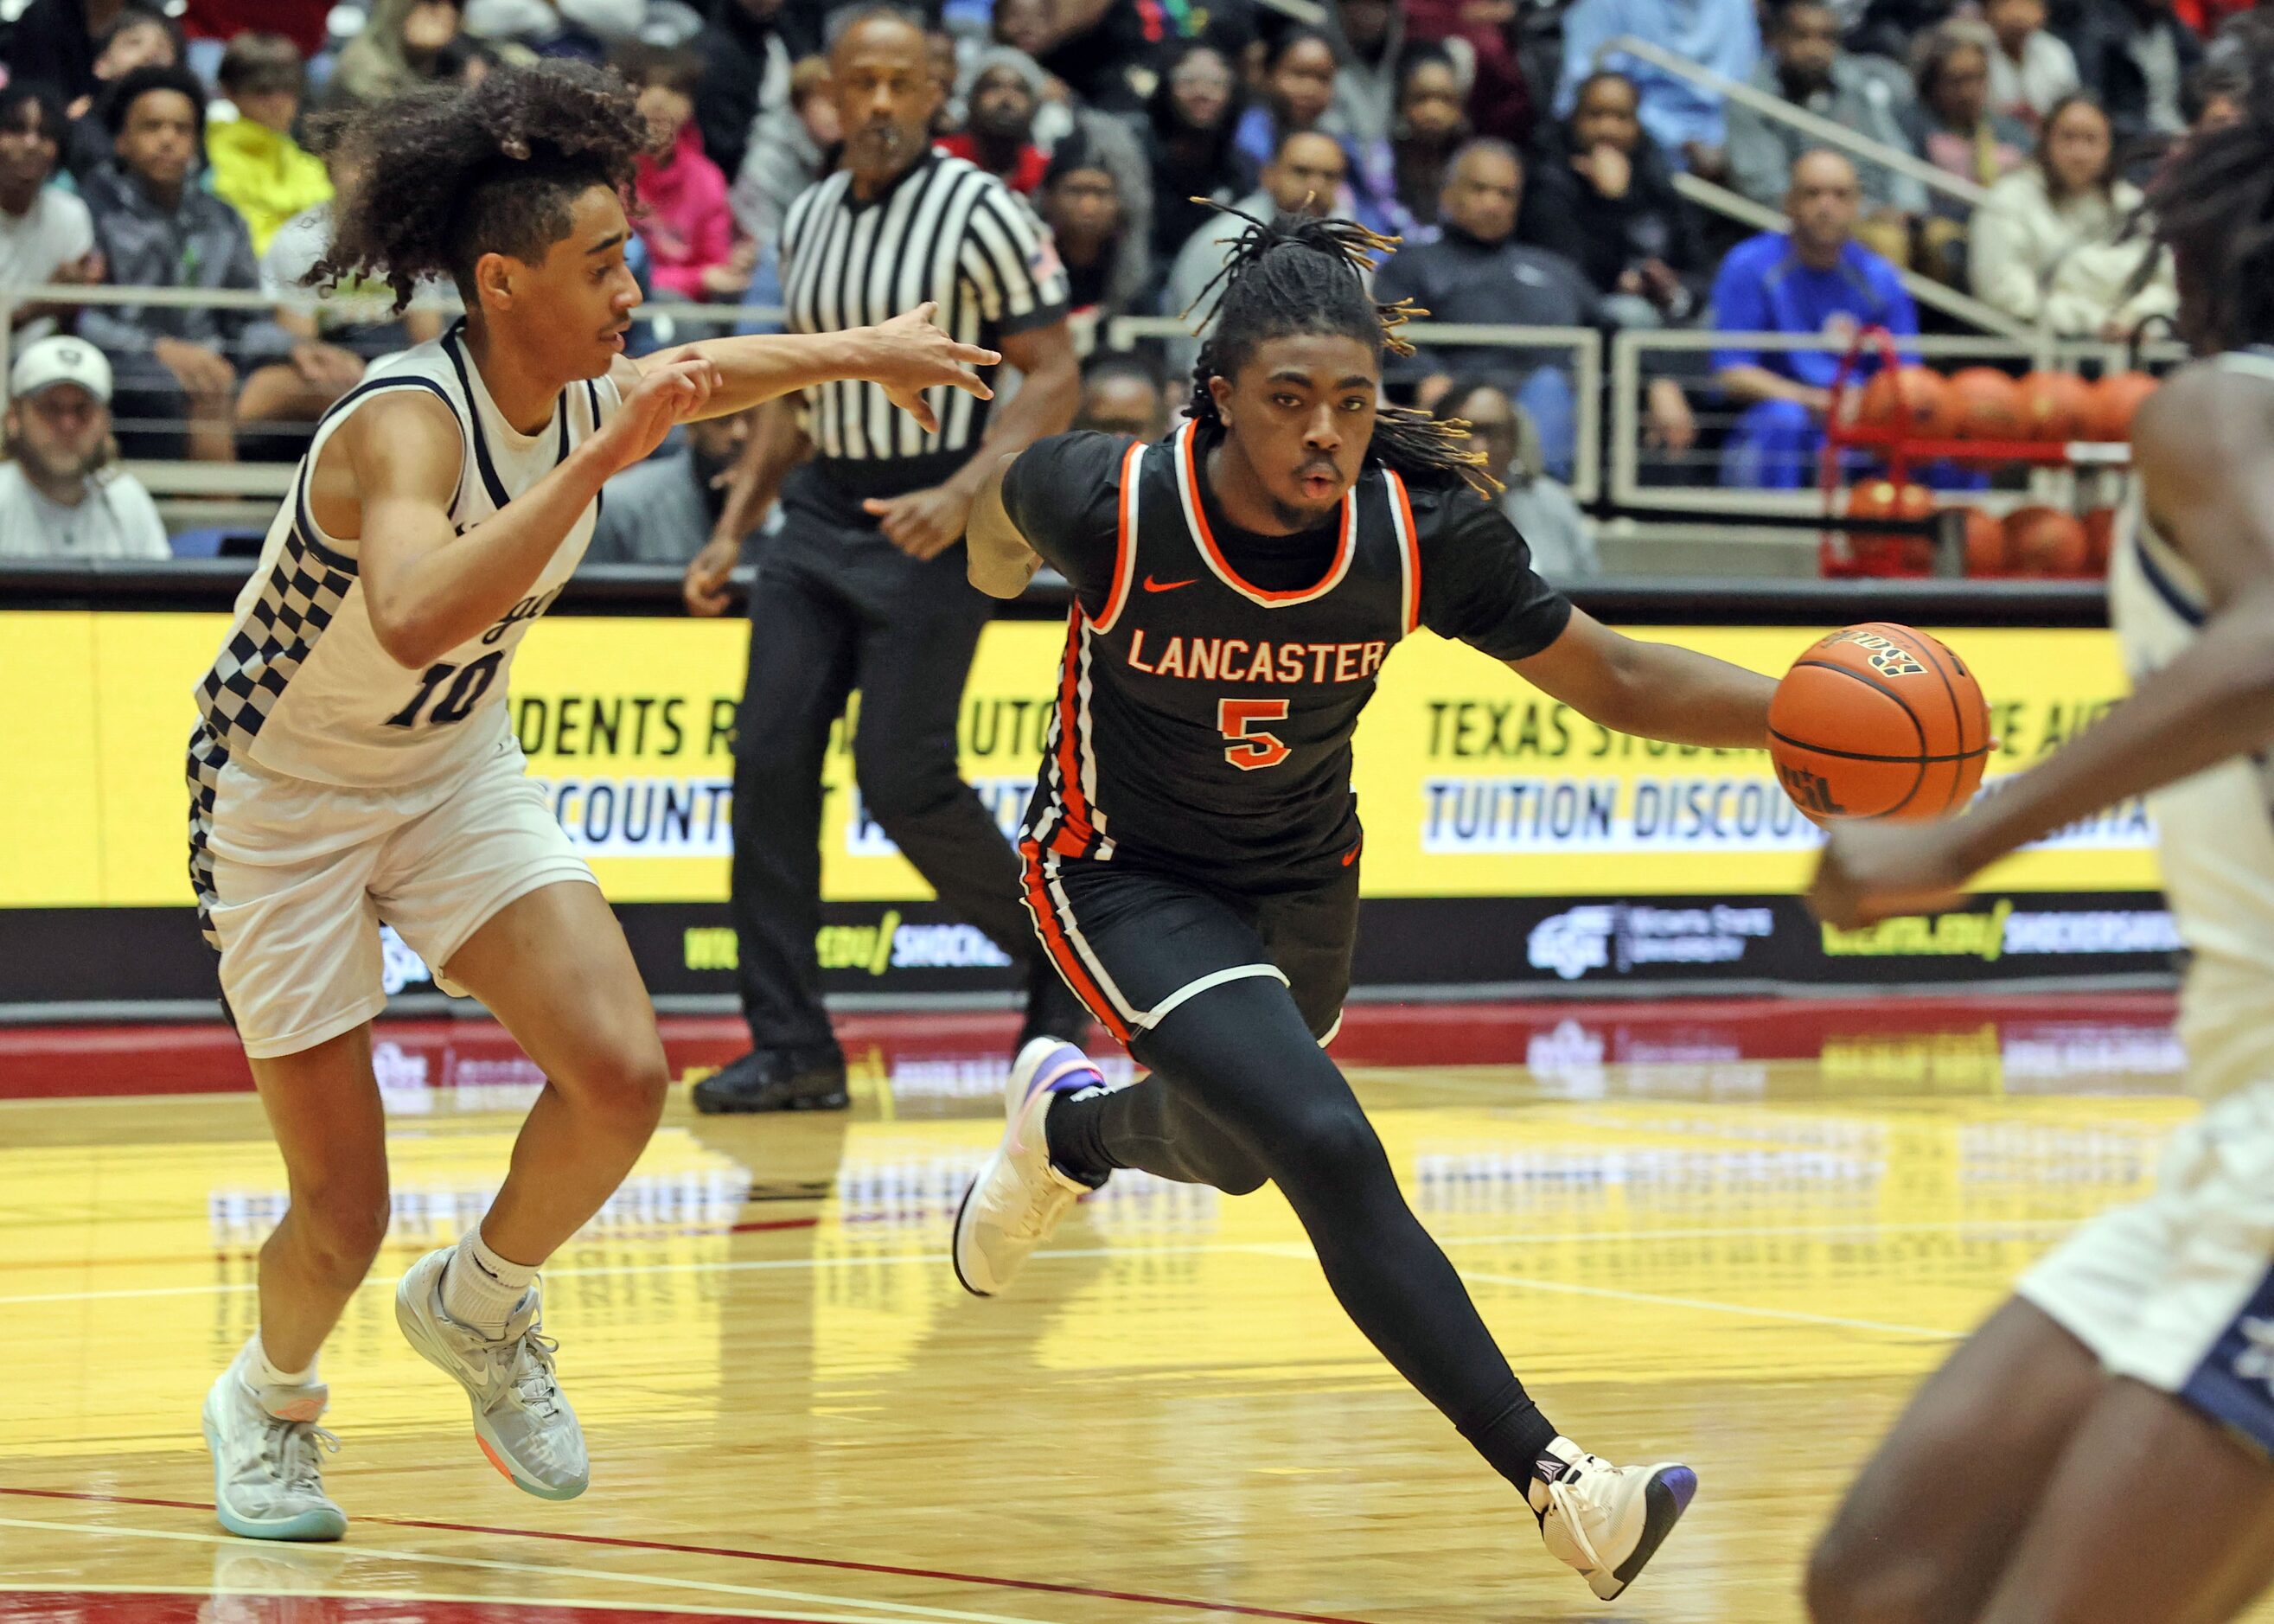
{"x":302,"y":687}
{"x":2214,"y":832}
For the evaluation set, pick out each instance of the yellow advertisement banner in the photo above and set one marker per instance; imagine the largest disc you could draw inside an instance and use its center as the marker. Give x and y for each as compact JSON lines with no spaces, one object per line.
{"x":1470,"y":784}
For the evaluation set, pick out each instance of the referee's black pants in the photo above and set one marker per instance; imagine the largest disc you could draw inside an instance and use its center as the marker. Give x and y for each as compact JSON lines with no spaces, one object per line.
{"x":837,"y":608}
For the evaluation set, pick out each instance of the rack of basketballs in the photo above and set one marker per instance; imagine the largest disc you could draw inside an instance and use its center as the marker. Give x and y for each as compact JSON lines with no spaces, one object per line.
{"x":1958,"y":427}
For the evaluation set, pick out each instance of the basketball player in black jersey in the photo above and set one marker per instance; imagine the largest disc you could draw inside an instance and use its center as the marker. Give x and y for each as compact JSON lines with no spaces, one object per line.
{"x":1192,"y":853}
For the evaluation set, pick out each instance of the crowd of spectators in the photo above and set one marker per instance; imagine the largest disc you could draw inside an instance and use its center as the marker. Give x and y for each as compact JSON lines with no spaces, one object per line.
{"x":1535,"y":174}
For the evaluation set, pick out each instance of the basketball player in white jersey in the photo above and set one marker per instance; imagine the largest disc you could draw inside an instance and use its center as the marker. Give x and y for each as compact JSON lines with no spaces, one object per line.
{"x":2097,"y":1452}
{"x":353,"y":762}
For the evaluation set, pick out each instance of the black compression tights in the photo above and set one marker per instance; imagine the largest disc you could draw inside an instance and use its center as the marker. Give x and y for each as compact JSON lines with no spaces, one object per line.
{"x":1241,"y":1093}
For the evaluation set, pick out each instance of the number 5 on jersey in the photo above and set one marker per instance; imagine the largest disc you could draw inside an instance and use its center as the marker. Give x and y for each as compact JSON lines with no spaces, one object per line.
{"x":1251,"y":747}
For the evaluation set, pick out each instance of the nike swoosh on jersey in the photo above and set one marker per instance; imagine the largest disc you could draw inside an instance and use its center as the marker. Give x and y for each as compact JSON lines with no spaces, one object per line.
{"x":1152,"y":585}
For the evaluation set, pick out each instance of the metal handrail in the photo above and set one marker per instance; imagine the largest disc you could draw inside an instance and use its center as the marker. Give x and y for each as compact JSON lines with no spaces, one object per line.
{"x":1780,"y":111}
{"x":1736,"y":206}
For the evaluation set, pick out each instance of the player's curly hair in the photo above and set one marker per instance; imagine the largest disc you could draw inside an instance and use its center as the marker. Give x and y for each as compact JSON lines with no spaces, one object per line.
{"x":449,"y":175}
{"x":1292,"y":274}
{"x":2212,"y":205}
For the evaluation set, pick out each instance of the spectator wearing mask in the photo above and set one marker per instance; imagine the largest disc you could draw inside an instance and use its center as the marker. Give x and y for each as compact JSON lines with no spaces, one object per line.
{"x":46,"y":235}
{"x":1815,"y":279}
{"x":60,"y":495}
{"x":1120,"y":395}
{"x":2032,"y":68}
{"x":1431,"y":125}
{"x":1687,"y":121}
{"x":1476,"y":271}
{"x":155,"y":228}
{"x":2049,"y":245}
{"x":2133,"y":57}
{"x":1544,"y":512}
{"x":1309,"y":176}
{"x":404,"y":44}
{"x":1952,"y":128}
{"x":750,"y":52}
{"x":792,"y":147}
{"x":682,"y":217}
{"x":253,"y":162}
{"x":1191,"y":122}
{"x":661,"y":511}
{"x":138,"y":38}
{"x":1006,"y":92}
{"x":1603,"y":196}
{"x":1866,"y":95}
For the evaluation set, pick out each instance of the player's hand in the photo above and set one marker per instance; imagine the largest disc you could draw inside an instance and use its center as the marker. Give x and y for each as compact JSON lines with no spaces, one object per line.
{"x":923,"y":524}
{"x":1871,"y":872}
{"x":705,"y":587}
{"x":909,"y":355}
{"x":664,"y":396}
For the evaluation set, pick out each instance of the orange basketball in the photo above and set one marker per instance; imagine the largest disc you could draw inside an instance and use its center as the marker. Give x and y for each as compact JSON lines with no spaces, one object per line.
{"x":2055,"y":406}
{"x":1986,"y":543}
{"x":2116,"y":401}
{"x":1912,"y":399}
{"x":1988,"y":404}
{"x":1879,"y":721}
{"x":2046,"y":541}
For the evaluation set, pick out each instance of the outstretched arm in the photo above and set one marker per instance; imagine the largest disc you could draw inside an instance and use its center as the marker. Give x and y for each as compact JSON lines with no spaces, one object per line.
{"x":907,"y":355}
{"x":1000,"y":563}
{"x":1651,"y":690}
{"x":2200,"y":446}
{"x":387,"y":477}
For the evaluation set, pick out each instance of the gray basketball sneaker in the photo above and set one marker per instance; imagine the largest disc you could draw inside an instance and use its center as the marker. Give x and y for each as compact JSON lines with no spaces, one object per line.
{"x":267,"y":1454}
{"x":520,"y":1420}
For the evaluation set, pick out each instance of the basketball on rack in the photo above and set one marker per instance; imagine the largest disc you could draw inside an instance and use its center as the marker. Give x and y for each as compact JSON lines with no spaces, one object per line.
{"x":2055,"y":406}
{"x":2100,"y":538}
{"x":2041,"y":540}
{"x":1878,"y":720}
{"x":1986,"y":543}
{"x":1911,"y":399}
{"x":1987,"y":404}
{"x":2116,"y":400}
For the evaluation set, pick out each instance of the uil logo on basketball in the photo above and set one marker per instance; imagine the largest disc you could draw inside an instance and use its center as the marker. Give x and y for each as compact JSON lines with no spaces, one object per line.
{"x":1812,"y":792}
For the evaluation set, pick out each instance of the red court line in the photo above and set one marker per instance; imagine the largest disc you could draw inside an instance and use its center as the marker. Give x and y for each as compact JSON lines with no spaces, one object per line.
{"x":840,"y":1564}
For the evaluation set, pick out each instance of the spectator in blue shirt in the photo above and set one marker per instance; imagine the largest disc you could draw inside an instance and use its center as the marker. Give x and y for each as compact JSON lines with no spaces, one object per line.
{"x":1815,"y":279}
{"x":1685,"y":120}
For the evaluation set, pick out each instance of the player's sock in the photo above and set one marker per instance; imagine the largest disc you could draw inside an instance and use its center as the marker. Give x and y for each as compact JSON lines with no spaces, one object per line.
{"x":260,"y":1370}
{"x":1071,"y":1128}
{"x":1513,"y":1436}
{"x":481,"y":1289}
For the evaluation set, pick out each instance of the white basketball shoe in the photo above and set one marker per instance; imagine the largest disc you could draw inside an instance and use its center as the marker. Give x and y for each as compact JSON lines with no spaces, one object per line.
{"x":520,"y":1420}
{"x":267,"y":1454}
{"x":1607,"y":1520}
{"x":1019,"y":1195}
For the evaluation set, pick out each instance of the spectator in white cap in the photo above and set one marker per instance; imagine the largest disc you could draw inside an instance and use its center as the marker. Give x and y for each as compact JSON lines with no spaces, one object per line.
{"x":60,"y":495}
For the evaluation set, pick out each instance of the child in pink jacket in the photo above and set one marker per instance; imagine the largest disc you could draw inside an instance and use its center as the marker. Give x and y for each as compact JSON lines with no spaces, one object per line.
{"x":684,"y":217}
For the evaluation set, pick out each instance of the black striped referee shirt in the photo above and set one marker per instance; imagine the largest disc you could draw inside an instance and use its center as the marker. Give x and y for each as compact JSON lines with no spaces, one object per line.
{"x":946,"y":229}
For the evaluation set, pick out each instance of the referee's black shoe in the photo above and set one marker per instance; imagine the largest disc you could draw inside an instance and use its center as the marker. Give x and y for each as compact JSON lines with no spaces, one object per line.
{"x":1053,"y":1010}
{"x":775,"y":1080}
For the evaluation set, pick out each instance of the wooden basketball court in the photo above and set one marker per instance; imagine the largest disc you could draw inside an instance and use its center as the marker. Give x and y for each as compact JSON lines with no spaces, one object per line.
{"x":1736,"y":1238}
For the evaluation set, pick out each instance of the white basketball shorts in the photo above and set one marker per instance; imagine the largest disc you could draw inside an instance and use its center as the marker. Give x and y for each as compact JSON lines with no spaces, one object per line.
{"x":2178,"y":1290}
{"x":297,"y":876}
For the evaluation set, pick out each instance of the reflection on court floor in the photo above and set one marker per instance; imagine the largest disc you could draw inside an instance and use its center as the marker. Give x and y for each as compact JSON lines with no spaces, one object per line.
{"x":1702,"y":1231}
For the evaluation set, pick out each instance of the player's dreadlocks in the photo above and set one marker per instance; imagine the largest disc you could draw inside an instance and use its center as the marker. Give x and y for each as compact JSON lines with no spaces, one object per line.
{"x":1294,"y":275}
{"x":446,"y":176}
{"x":2213,"y":206}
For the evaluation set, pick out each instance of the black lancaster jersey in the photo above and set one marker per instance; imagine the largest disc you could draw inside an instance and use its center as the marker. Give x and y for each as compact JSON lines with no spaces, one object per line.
{"x":1213,"y":678}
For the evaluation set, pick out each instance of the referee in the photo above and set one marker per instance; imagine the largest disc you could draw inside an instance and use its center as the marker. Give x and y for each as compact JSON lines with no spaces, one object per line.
{"x":863,"y":587}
